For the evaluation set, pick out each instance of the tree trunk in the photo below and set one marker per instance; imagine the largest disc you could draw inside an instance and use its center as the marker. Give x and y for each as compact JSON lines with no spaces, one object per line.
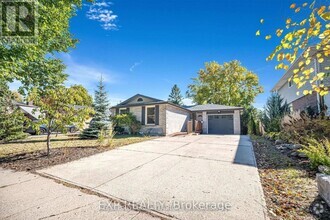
{"x":48,"y":142}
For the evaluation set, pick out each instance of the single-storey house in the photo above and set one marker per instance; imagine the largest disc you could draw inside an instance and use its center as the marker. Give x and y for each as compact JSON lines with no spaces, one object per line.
{"x":165,"y":118}
{"x":294,"y":96}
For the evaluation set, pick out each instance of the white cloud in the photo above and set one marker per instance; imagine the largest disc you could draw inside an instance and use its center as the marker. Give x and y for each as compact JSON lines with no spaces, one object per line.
{"x":99,"y":11}
{"x":135,"y":65}
{"x":86,"y":75}
{"x":187,"y":101}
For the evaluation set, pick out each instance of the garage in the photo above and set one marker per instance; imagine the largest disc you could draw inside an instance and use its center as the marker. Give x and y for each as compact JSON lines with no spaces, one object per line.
{"x":220,"y":124}
{"x":217,"y":119}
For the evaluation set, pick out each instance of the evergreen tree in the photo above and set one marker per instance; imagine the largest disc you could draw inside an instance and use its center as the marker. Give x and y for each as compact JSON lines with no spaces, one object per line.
{"x":11,"y":118}
{"x":274,"y":111}
{"x":250,"y":121}
{"x":100,"y":119}
{"x":175,"y":97}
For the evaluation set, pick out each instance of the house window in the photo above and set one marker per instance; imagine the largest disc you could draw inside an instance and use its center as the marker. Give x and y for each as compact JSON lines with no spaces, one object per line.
{"x":151,"y":116}
{"x":140,"y":100}
{"x":123,"y":111}
{"x":290,"y":83}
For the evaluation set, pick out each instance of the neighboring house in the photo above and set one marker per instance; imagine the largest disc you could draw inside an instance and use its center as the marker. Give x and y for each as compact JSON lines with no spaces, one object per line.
{"x":165,"y":118}
{"x":298,"y":102}
{"x":30,"y":111}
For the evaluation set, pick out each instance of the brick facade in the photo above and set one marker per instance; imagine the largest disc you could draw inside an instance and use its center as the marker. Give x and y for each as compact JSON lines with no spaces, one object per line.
{"x":305,"y":102}
{"x":172,"y":119}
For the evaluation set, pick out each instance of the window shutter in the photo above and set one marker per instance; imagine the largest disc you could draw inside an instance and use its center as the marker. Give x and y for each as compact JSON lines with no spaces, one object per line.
{"x":143,"y":118}
{"x":157,"y":115}
{"x":117,"y":111}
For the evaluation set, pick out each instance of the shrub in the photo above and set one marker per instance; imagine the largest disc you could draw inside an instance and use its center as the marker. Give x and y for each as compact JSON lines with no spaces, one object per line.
{"x":318,"y":152}
{"x":272,"y":135}
{"x":299,"y":125}
{"x":105,"y":137}
{"x":127,"y":120}
{"x":250,"y":122}
{"x":119,"y":130}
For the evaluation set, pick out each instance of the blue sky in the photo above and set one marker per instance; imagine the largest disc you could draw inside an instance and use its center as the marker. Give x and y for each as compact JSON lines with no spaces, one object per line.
{"x":147,"y":46}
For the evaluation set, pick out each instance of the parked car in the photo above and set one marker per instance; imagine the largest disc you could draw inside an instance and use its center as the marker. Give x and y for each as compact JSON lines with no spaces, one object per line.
{"x":43,"y":129}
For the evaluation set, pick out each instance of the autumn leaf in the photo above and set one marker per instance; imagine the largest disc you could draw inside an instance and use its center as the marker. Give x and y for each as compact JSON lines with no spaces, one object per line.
{"x":321,"y":10}
{"x":323,"y":93}
{"x":300,"y":33}
{"x":258,"y":33}
{"x":288,"y":21}
{"x":261,"y":21}
{"x":326,"y":16}
{"x":303,"y":22}
{"x":279,"y":32}
{"x":280,"y":57}
{"x":288,"y":56}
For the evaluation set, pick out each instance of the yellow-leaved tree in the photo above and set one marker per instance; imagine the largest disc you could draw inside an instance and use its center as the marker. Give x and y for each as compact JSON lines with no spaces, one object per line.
{"x":304,"y":40}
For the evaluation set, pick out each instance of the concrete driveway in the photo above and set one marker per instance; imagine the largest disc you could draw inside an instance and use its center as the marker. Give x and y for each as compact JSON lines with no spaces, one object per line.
{"x":25,"y":195}
{"x":185,"y":177}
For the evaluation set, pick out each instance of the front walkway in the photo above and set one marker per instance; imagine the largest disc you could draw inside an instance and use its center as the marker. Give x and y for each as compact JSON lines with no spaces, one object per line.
{"x":192,"y":177}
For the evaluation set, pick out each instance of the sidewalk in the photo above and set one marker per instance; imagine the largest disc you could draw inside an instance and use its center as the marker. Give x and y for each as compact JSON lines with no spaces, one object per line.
{"x":28,"y":196}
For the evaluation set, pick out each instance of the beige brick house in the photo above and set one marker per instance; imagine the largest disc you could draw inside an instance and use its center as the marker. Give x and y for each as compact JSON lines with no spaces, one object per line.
{"x":165,"y":118}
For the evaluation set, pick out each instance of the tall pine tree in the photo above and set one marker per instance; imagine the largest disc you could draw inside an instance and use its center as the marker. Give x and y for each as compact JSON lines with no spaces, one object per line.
{"x":11,"y":118}
{"x":175,"y":97}
{"x":274,"y":111}
{"x":100,"y":119}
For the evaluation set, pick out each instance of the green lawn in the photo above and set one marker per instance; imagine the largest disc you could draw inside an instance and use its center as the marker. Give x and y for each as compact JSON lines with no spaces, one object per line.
{"x":37,"y":143}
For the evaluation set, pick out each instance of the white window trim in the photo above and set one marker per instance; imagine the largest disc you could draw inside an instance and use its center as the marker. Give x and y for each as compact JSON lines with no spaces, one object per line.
{"x":122,"y":109}
{"x":146,"y":114}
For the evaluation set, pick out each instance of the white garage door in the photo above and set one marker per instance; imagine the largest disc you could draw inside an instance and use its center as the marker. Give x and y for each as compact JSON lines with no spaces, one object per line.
{"x":220,"y":124}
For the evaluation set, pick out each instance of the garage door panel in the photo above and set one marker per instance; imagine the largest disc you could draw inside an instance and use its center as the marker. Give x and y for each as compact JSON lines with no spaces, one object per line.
{"x":220,"y":124}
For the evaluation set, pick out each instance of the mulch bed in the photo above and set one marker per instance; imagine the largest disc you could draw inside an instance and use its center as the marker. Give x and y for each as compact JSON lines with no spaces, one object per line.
{"x":289,"y":184}
{"x":39,"y":159}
